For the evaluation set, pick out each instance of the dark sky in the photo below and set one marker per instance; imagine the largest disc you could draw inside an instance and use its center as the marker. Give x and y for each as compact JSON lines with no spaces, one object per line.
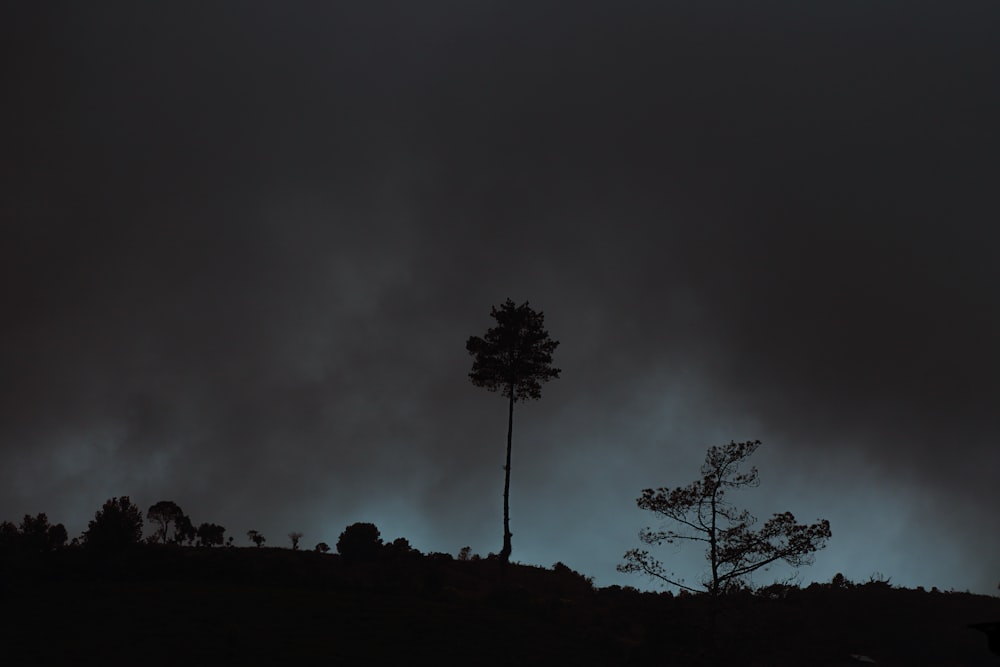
{"x":243,"y":245}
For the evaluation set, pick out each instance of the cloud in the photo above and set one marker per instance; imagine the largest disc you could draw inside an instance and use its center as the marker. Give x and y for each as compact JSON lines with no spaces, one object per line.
{"x":243,"y":250}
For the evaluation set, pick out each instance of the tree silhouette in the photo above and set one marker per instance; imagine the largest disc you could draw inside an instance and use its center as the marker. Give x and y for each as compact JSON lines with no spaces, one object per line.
{"x":513,"y":358}
{"x":256,"y":537}
{"x":399,"y":549}
{"x":295,"y":536}
{"x":733,"y":549}
{"x":164,"y":513}
{"x":184,"y":530}
{"x":359,"y":541}
{"x":117,"y":525}
{"x":10,"y":538}
{"x":37,"y":535}
{"x":210,"y":534}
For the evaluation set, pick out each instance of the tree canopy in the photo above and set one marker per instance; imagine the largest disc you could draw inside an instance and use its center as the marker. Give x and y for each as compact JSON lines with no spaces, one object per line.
{"x":703,"y":514}
{"x":210,"y":534}
{"x":515,"y":356}
{"x":165,"y":513}
{"x":359,"y":541}
{"x":117,"y":525}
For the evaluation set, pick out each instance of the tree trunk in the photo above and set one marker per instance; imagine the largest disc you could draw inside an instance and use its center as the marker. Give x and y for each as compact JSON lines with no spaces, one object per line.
{"x":505,"y":552}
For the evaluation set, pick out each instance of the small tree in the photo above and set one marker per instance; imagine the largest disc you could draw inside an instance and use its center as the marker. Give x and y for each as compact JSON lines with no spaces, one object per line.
{"x":513,"y":358}
{"x":37,"y":535}
{"x":10,"y":538}
{"x":184,"y":530}
{"x":295,"y":537}
{"x":117,"y":525}
{"x":359,"y":541}
{"x":210,"y":534}
{"x":399,"y":549}
{"x":57,"y":536}
{"x":322,"y":547}
{"x":165,"y":513}
{"x":256,"y":537}
{"x":704,"y":515}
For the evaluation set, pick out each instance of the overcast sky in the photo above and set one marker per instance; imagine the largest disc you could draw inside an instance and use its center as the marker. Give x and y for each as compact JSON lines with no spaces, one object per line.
{"x":243,"y":245}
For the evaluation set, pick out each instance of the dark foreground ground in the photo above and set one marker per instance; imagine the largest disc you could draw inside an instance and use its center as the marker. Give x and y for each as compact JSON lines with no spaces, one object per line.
{"x":250,"y":606}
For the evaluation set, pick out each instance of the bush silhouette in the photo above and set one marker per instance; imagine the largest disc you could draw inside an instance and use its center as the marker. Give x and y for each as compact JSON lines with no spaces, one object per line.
{"x":117,"y":525}
{"x":210,"y":534}
{"x":400,"y":549}
{"x":359,"y":541}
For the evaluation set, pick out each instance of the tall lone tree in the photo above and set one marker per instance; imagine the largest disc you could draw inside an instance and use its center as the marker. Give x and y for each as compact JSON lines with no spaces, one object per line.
{"x":704,"y":515}
{"x":514,"y":358}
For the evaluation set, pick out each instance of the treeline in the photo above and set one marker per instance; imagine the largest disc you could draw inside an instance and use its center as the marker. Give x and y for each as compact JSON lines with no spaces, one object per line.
{"x":119,"y":525}
{"x":33,"y":536}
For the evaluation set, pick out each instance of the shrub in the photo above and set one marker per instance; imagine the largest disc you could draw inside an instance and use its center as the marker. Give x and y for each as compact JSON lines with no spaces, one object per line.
{"x":117,"y":525}
{"x":359,"y":542}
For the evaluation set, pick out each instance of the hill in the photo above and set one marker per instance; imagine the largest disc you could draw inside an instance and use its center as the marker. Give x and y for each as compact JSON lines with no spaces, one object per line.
{"x":166,"y":605}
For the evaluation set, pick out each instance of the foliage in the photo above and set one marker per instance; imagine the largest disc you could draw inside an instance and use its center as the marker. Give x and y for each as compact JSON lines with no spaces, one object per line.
{"x":323,"y":547}
{"x":34,"y":536}
{"x":210,"y":534}
{"x":165,"y":513}
{"x":117,"y":525}
{"x":256,"y":537}
{"x":359,"y":542}
{"x":184,"y":531}
{"x":10,"y":538}
{"x":399,"y":548}
{"x":38,"y":535}
{"x":515,"y":359}
{"x":733,"y":548}
{"x":515,"y":356}
{"x":840,"y":581}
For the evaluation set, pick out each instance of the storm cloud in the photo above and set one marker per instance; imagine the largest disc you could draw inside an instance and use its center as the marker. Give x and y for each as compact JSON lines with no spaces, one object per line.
{"x":243,"y":246}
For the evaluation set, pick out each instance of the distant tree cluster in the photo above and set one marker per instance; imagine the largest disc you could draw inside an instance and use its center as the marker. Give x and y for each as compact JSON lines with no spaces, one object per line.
{"x":363,"y":542}
{"x":117,"y":525}
{"x":166,"y":514}
{"x":35,"y":535}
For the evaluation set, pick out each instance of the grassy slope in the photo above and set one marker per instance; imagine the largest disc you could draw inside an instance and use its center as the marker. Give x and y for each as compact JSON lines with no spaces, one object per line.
{"x":274,"y":606}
